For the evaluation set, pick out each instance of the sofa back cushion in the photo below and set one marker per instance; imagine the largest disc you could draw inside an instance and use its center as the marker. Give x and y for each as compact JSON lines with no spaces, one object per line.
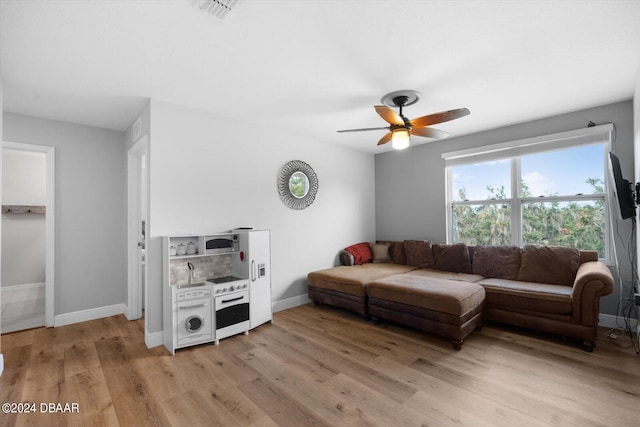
{"x":586,"y":256}
{"x":500,"y":262}
{"x":453,"y":258}
{"x":396,"y":251}
{"x":381,"y":252}
{"x":419,"y":253}
{"x":361,"y":252}
{"x":549,"y":264}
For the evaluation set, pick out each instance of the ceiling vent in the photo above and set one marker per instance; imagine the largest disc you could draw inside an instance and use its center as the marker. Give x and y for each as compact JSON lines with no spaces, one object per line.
{"x":217,"y":8}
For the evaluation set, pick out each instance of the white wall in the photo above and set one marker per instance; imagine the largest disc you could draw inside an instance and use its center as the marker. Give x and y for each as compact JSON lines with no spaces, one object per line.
{"x":90,"y":268}
{"x":23,"y":238}
{"x":24,"y":177}
{"x":410,"y":184}
{"x":211,"y":174}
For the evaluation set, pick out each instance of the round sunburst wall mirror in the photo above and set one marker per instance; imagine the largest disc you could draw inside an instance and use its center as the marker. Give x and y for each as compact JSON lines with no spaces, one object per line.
{"x":297,"y":185}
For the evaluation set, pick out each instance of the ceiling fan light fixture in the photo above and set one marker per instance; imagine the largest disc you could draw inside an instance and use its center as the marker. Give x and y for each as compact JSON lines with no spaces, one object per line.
{"x":400,"y":139}
{"x":217,"y":8}
{"x":408,"y":96}
{"x":401,"y":128}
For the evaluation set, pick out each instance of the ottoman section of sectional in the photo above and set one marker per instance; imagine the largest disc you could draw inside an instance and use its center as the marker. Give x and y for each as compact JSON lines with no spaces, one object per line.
{"x":344,"y":286}
{"x":449,"y":308}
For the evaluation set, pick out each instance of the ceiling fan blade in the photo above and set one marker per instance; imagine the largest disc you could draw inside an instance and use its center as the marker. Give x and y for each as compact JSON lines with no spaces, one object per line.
{"x":385,"y":138}
{"x":363,"y":129}
{"x":389,"y":115}
{"x":429,"y":133}
{"x":443,"y":116}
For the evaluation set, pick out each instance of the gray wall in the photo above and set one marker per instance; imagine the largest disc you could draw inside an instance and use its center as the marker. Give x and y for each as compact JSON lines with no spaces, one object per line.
{"x":90,"y":268}
{"x":410,"y":184}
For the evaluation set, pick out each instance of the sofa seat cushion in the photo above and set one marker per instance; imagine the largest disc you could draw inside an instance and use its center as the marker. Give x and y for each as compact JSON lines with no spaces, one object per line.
{"x":538,"y":297}
{"x":439,"y":274}
{"x":446,"y":296}
{"x":353,"y":278}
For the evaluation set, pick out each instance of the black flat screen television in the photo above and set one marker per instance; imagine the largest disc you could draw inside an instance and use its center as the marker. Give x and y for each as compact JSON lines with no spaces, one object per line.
{"x":623,"y":190}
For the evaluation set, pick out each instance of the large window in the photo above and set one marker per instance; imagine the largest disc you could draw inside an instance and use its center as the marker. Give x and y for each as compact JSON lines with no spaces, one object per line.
{"x":549,"y":190}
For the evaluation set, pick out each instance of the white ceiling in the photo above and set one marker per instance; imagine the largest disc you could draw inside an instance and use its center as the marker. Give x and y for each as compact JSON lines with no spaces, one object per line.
{"x":313,"y":67}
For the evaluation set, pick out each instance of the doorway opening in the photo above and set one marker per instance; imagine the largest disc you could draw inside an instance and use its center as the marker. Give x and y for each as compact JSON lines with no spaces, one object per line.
{"x":137,"y":228}
{"x":27,"y":236}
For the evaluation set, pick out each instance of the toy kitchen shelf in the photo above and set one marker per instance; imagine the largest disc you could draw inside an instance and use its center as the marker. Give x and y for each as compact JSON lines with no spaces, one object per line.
{"x":190,"y":246}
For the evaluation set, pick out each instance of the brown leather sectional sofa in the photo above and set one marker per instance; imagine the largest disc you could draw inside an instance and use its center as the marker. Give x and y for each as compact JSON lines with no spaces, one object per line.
{"x":449,"y":290}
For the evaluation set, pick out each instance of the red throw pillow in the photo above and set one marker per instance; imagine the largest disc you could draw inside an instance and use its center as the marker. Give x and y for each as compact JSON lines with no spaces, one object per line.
{"x":361,"y":253}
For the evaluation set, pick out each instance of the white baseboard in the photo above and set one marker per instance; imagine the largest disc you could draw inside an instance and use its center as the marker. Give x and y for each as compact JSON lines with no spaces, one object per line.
{"x":25,"y":286}
{"x":611,"y":321}
{"x":153,"y":339}
{"x":90,"y":314}
{"x":1,"y":363}
{"x":289,"y":303}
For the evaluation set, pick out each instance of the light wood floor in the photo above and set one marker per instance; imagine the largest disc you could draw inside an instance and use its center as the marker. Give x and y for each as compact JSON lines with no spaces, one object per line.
{"x":318,"y":366}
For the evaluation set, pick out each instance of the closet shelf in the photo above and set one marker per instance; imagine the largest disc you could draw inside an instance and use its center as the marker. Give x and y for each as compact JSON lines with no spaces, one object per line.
{"x":23,"y":209}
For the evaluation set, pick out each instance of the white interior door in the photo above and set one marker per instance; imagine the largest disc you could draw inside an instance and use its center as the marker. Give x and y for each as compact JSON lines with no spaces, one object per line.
{"x":137,"y":225}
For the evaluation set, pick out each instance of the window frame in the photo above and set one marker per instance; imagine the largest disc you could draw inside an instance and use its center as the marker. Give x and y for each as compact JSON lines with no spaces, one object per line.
{"x":514,"y":151}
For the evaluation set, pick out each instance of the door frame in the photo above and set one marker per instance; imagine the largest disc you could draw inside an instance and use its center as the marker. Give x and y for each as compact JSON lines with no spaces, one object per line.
{"x":49,"y":287}
{"x":134,"y":226}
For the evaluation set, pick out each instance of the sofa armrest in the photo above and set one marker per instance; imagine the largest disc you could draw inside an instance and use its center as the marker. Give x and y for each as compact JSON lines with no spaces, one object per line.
{"x":592,"y":281}
{"x":346,"y":258}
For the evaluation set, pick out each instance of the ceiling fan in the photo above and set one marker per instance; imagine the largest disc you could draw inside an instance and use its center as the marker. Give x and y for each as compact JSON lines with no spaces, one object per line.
{"x":400,"y":128}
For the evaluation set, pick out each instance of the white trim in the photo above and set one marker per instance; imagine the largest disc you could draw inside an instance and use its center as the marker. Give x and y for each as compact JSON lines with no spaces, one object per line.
{"x":513,"y":151}
{"x":516,"y":203}
{"x":447,"y":206}
{"x":50,"y":224}
{"x":153,"y":339}
{"x":89,"y":314}
{"x":1,"y":363}
{"x":23,"y":286}
{"x":134,"y":215}
{"x":289,"y":303}
{"x":529,"y":145}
